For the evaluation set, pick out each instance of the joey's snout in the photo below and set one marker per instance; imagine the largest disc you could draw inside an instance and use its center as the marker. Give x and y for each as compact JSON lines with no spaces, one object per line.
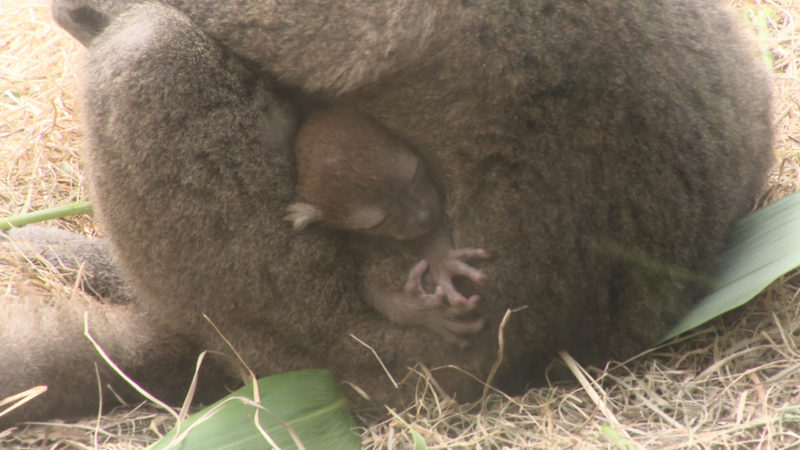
{"x":426,"y":219}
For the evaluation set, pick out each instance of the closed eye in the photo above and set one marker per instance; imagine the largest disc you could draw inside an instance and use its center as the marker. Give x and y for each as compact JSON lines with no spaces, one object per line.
{"x":382,"y":223}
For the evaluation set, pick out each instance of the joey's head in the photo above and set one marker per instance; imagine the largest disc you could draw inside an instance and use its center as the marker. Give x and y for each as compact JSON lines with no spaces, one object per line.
{"x":403,"y":204}
{"x":353,"y":175}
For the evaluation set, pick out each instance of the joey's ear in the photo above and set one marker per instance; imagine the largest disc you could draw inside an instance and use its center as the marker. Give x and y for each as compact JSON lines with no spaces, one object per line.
{"x":302,"y":214}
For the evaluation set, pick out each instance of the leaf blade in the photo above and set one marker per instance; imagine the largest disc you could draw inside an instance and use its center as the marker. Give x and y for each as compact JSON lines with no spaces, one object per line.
{"x":309,"y":401}
{"x":762,"y":247}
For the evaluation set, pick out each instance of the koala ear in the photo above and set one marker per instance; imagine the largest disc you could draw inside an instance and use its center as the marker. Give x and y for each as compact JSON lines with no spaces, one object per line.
{"x":302,"y":214}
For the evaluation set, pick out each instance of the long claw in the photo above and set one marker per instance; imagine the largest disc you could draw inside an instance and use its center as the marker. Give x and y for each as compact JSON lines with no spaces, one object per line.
{"x":470,"y":253}
{"x":453,"y":296}
{"x":464,"y":269}
{"x":468,"y":305}
{"x":415,"y":276}
{"x":413,"y":287}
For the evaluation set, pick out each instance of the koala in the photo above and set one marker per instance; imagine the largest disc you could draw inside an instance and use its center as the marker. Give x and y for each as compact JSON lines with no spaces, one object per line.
{"x":600,"y":151}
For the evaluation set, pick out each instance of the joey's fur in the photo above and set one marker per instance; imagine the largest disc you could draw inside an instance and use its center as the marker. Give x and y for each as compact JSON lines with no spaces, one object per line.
{"x":355,"y":176}
{"x":600,"y":150}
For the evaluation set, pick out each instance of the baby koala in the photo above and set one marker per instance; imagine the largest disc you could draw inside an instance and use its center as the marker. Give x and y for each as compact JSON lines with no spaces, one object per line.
{"x":353,"y":175}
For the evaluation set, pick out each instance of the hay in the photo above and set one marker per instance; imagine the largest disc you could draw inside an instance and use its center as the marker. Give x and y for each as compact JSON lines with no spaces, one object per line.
{"x":39,"y":133}
{"x":734,"y":382}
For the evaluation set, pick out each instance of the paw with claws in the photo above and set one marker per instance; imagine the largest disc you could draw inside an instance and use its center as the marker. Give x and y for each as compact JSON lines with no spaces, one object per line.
{"x":415,"y":306}
{"x":444,"y":267}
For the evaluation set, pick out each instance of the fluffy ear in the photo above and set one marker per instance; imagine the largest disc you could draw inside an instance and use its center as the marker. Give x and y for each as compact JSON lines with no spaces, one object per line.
{"x":301,"y":214}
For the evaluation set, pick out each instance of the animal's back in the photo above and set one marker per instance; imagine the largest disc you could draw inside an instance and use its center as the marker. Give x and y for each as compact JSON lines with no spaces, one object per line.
{"x":600,"y":151}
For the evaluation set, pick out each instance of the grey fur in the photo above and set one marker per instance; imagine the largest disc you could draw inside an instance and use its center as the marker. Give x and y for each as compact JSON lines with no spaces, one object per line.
{"x":72,"y":254}
{"x":600,"y":150}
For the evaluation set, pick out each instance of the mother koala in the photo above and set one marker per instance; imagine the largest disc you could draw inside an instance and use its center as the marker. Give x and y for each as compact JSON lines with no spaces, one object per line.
{"x":599,"y":149}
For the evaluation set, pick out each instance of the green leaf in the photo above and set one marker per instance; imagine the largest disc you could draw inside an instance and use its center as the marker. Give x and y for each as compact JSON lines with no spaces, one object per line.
{"x":419,"y":442}
{"x":761,"y":247}
{"x":45,"y":214}
{"x":308,"y":401}
{"x":761,"y":17}
{"x":616,"y":438}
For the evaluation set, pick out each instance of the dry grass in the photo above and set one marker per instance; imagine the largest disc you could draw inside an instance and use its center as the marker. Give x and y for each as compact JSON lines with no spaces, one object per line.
{"x":733,"y":383}
{"x":39,"y":131}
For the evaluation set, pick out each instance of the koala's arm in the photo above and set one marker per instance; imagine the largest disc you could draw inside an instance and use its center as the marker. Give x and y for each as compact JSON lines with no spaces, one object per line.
{"x":323,"y":48}
{"x":71,"y":254}
{"x":314,"y":45}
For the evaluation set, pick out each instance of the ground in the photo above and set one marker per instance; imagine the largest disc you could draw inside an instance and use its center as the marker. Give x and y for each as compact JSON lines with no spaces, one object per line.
{"x":733,"y":382}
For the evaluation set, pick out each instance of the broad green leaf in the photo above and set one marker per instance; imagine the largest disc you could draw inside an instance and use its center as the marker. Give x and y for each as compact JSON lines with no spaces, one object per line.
{"x":761,"y":247}
{"x":308,"y":401}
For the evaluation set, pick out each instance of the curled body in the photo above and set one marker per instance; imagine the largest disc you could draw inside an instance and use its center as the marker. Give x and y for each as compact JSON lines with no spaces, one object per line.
{"x":588,"y":145}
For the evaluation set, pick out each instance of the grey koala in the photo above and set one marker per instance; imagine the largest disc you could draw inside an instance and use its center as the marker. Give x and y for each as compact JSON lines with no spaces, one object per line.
{"x":599,"y":150}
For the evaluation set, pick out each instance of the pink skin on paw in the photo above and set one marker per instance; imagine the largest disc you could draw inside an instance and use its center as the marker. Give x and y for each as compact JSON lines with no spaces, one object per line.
{"x":441,"y":317}
{"x":438,"y":310}
{"x":452,"y":265}
{"x":436,"y":314}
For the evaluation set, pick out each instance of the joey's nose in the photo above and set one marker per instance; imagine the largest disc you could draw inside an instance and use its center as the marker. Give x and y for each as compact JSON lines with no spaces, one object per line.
{"x":426,"y":219}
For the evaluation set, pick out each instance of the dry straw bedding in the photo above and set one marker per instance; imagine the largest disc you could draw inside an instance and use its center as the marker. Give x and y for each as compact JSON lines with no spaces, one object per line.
{"x":734,"y":382}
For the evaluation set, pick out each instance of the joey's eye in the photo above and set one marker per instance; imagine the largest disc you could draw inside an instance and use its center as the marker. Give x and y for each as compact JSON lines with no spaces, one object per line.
{"x":391,"y":226}
{"x":383,"y":222}
{"x":419,"y":174}
{"x":404,"y":175}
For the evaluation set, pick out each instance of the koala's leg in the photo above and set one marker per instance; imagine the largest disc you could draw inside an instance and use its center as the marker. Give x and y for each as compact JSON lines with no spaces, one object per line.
{"x":71,"y":254}
{"x":42,"y":342}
